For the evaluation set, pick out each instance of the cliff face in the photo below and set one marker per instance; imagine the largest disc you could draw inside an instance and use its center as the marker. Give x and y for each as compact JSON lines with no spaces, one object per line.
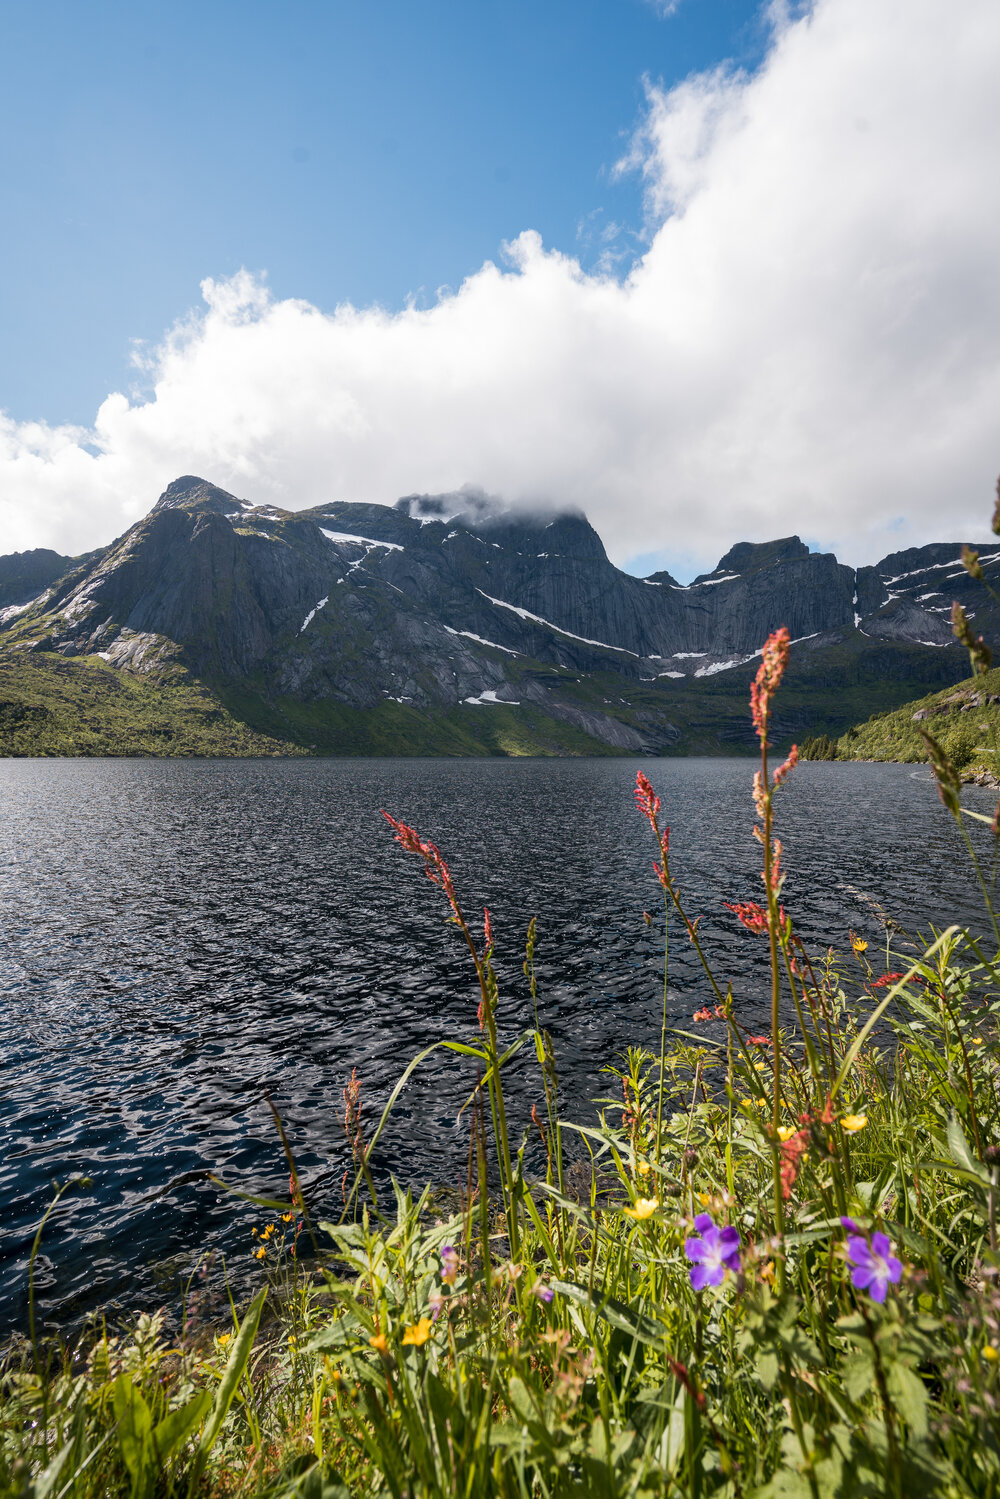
{"x":443,"y":604}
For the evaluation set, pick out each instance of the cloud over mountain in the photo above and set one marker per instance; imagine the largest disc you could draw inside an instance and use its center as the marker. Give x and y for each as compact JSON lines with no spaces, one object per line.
{"x":810,"y":342}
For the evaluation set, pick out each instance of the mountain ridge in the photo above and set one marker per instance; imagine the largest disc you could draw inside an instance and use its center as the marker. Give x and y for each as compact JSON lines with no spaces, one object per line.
{"x":449,"y":604}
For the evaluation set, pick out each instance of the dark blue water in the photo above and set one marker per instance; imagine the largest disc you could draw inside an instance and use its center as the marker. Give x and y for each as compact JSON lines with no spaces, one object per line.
{"x":178,"y":936}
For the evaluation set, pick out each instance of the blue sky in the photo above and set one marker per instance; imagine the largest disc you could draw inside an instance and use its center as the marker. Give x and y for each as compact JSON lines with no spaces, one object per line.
{"x":360,"y":150}
{"x":352,"y":251}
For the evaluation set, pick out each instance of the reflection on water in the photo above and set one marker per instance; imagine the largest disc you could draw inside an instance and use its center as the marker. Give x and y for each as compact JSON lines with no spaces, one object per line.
{"x":179,"y":936}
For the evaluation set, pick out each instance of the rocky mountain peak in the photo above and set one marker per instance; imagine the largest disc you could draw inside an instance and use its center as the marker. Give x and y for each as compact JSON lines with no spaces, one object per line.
{"x":752,"y":556}
{"x":190,"y":490}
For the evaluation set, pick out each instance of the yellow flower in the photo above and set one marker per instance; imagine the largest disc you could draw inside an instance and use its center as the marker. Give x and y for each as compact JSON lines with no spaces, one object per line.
{"x":990,"y":1353}
{"x":416,"y":1337}
{"x":225,"y":1338}
{"x":380,"y":1343}
{"x":704,"y":1198}
{"x":643,"y":1168}
{"x":269,"y":1230}
{"x":859,"y":944}
{"x":786,"y":1131}
{"x":259,"y":1254}
{"x":287,"y":1217}
{"x":977,"y":1041}
{"x":645,"y":1207}
{"x":851,"y":1123}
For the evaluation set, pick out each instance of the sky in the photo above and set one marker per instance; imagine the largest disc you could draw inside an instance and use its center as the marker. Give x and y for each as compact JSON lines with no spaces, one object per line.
{"x":708,"y":271}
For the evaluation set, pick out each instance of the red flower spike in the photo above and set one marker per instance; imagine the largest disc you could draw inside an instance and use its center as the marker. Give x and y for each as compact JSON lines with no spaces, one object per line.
{"x":700,"y":1015}
{"x":753,"y":916}
{"x":487,"y":928}
{"x":792,"y":1151}
{"x":886,"y":979}
{"x":758,"y":1040}
{"x":646,"y":799}
{"x":785,"y":770}
{"x":768,"y":679}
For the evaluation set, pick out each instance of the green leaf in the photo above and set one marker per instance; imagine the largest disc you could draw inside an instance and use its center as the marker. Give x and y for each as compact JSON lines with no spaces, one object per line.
{"x":858,"y":1374}
{"x":134,"y":1422}
{"x":767,"y":1368}
{"x":636,"y":1324}
{"x":50,"y":1476}
{"x":958,"y":1147}
{"x":175,"y":1429}
{"x":909,"y":1397}
{"x":233,"y":1371}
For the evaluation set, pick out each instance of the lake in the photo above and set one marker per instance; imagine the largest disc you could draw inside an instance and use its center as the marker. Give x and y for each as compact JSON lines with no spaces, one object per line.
{"x":179,"y":936}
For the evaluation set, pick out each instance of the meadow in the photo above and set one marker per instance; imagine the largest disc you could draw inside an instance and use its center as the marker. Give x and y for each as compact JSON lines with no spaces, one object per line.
{"x":767,"y":1266}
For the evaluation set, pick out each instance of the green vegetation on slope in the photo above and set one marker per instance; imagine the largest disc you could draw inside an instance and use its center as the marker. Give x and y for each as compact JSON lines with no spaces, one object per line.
{"x":51,"y":705}
{"x":964,"y":719}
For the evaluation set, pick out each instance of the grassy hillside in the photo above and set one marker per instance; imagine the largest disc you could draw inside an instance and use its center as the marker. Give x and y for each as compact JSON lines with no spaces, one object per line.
{"x":50,"y":705}
{"x":965,"y":719}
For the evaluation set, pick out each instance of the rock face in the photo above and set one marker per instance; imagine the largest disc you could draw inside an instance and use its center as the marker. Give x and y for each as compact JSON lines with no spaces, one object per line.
{"x":442,"y":603}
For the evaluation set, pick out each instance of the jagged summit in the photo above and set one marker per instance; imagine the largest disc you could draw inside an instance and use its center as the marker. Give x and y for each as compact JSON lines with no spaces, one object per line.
{"x":190,"y":490}
{"x":751,"y":556}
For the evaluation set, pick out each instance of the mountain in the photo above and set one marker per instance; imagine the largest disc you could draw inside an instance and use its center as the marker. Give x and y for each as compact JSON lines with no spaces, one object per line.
{"x":446,"y":624}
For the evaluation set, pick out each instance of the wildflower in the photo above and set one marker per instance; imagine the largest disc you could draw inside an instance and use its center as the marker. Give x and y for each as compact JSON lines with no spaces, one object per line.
{"x":758,"y":1040}
{"x":875,"y":1265}
{"x":436,"y":869}
{"x":642,"y":1168}
{"x":886,"y":979}
{"x":785,"y":770}
{"x":700,"y":1015}
{"x":859,"y":944}
{"x":715,"y":1252}
{"x":487,"y":929}
{"x":785,"y":1132}
{"x":644,"y":1208}
{"x":225,"y":1338}
{"x":852,"y":1123}
{"x":417,"y":1336}
{"x":768,"y":678}
{"x":287,"y":1217}
{"x":753,"y":916}
{"x":646,"y":799}
{"x":259,"y":1254}
{"x":436,"y":1302}
{"x":380,"y":1343}
{"x":449,"y":1265}
{"x":269,"y":1230}
{"x":792,"y":1151}
{"x":990,"y":1354}
{"x":544,"y":1293}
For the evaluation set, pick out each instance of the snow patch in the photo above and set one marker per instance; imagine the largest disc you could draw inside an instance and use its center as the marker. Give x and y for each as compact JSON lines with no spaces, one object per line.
{"x":538,"y":620}
{"x":489,"y":696}
{"x":670,"y":674}
{"x":312,"y":612}
{"x":468,"y":635}
{"x":717,"y":666}
{"x":688,"y":655}
{"x":345,"y":537}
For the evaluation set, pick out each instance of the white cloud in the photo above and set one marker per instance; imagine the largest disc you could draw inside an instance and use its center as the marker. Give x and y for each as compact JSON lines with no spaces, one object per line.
{"x":810,"y":342}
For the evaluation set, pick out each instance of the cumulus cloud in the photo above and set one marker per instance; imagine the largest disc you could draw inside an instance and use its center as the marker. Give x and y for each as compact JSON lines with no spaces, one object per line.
{"x":810,"y":341}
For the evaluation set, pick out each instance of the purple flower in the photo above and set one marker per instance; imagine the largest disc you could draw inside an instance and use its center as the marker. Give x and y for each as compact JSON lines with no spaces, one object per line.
{"x":876,"y":1268}
{"x":717,"y":1251}
{"x":449,"y":1265}
{"x":544,"y":1293}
